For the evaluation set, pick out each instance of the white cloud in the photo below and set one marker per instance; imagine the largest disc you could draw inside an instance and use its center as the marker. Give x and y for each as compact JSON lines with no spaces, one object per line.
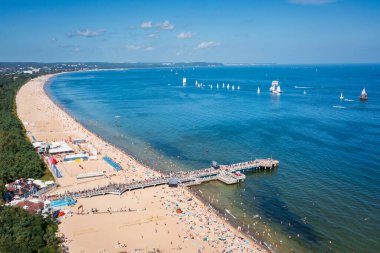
{"x":139,"y":47}
{"x":152,"y":35}
{"x":207,"y":44}
{"x":166,"y":25}
{"x":86,"y":33}
{"x":147,"y":24}
{"x":133,"y":47}
{"x":148,"y":48}
{"x":311,"y":2}
{"x":185,"y":35}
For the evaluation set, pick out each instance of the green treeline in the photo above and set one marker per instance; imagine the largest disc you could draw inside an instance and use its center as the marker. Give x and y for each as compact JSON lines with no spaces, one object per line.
{"x":19,"y":230}
{"x":17,"y":156}
{"x":22,"y":232}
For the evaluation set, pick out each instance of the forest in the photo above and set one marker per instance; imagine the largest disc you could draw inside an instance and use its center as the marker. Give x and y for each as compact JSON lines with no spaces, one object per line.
{"x":19,"y":230}
{"x":17,"y":156}
{"x":23,"y":232}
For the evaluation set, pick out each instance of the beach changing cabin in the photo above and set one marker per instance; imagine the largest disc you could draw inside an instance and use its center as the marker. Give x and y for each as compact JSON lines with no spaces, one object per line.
{"x":173,"y":182}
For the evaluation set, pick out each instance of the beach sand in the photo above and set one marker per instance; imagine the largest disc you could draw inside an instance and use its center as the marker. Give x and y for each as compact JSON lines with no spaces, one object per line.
{"x":139,"y":221}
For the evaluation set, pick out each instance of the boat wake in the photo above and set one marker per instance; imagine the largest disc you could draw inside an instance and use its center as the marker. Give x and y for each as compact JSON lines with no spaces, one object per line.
{"x":302,"y":87}
{"x":339,"y":106}
{"x":228,"y":211}
{"x":348,"y":100}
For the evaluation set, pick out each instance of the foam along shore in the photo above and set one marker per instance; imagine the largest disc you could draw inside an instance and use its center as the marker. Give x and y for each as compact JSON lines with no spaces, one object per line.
{"x":160,"y":219}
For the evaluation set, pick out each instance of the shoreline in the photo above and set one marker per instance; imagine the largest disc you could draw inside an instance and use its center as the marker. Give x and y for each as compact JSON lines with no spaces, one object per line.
{"x":84,"y":127}
{"x":117,"y":151}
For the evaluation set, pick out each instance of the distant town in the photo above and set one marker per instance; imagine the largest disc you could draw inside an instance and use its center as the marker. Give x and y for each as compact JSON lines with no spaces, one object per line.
{"x":12,"y":68}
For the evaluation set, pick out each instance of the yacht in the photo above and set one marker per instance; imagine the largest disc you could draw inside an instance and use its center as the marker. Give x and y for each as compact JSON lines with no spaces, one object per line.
{"x":273,"y":87}
{"x":363,"y":96}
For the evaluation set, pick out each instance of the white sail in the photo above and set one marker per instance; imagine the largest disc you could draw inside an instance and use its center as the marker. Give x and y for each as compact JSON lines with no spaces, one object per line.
{"x":258,"y":90}
{"x":223,"y":85}
{"x":278,"y":89}
{"x":217,"y":86}
{"x":228,"y":86}
{"x":274,"y":86}
{"x":196,"y":82}
{"x":184,"y":81}
{"x":233,"y":87}
{"x":341,"y":96}
{"x":363,"y":92}
{"x":238,"y":87}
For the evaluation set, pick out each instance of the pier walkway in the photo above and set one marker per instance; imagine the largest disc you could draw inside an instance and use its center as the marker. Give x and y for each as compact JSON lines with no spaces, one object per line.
{"x":228,"y":174}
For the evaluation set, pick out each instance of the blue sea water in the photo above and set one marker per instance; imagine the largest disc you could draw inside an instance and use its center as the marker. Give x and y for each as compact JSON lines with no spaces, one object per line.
{"x":325,"y":195}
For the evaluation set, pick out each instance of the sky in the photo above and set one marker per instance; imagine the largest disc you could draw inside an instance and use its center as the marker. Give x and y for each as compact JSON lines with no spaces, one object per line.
{"x":228,"y":31}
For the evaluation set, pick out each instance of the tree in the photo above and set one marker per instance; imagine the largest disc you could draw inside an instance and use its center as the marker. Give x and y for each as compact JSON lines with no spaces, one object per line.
{"x":24,"y":232}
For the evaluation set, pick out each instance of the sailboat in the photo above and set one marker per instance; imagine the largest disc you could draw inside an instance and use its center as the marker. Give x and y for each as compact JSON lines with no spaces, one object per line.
{"x":184,"y":81}
{"x":258,"y":90}
{"x":238,"y":87}
{"x":223,"y":85}
{"x":233,"y":87}
{"x":217,"y":85}
{"x":363,"y":96}
{"x":274,"y":86}
{"x":196,"y":82}
{"x":228,"y":86}
{"x":278,"y":90}
{"x":341,"y":96}
{"x":304,"y":92}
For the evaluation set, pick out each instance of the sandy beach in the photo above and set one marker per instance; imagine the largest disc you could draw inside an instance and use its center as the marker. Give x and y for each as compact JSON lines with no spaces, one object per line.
{"x":145,"y":220}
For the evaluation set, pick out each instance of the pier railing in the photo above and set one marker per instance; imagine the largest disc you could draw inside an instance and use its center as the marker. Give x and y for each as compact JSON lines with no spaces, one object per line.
{"x":228,"y":174}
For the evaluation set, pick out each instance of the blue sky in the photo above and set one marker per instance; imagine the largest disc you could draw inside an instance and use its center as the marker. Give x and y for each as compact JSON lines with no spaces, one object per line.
{"x":278,"y":31}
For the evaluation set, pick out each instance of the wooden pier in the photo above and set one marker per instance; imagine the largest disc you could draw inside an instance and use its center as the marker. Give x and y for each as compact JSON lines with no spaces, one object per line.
{"x":228,"y":174}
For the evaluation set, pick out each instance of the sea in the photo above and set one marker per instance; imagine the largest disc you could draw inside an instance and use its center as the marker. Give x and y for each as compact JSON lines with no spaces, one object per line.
{"x":325,"y":194}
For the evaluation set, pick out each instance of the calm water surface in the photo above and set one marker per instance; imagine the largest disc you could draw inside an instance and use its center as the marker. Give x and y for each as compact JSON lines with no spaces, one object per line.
{"x":325,"y":196}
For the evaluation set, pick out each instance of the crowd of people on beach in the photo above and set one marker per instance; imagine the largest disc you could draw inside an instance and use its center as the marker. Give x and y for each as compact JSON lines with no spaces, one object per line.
{"x":203,"y":224}
{"x":199,"y":221}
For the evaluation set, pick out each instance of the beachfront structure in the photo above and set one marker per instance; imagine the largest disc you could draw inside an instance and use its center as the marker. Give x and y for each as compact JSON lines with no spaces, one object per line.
{"x":82,"y":157}
{"x":20,"y":188}
{"x":58,"y":147}
{"x":173,"y":182}
{"x":23,"y":188}
{"x":32,"y":206}
{"x":228,"y":174}
{"x":112,"y":163}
